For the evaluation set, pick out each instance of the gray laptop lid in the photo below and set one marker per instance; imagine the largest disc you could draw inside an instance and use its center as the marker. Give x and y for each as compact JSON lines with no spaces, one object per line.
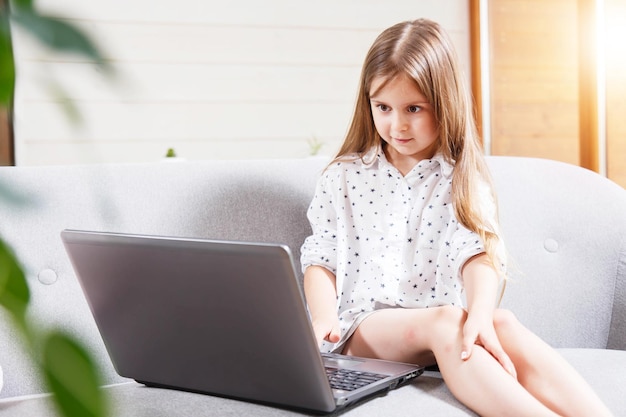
{"x":225,"y":318}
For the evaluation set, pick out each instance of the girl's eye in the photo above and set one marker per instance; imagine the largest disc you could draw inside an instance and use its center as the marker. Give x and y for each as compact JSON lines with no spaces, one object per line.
{"x":414,"y":109}
{"x":383,"y":107}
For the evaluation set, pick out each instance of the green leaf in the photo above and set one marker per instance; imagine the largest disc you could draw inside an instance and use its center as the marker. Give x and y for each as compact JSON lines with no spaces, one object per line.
{"x":14,"y":292}
{"x":7,"y":64}
{"x":72,"y":378}
{"x":59,"y":35}
{"x":26,"y":4}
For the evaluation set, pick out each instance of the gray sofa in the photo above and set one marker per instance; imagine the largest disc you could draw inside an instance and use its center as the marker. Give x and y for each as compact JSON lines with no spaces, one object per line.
{"x":565,"y":228}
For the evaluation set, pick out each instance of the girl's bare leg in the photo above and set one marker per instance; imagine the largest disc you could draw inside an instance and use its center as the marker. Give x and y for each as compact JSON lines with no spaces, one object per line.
{"x":423,"y":335}
{"x":545,"y":373}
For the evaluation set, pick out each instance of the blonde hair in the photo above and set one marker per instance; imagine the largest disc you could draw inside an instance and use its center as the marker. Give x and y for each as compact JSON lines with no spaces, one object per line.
{"x":422,"y":51}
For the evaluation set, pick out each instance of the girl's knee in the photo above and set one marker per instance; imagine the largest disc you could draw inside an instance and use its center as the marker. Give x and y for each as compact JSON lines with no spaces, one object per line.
{"x":448,"y":322}
{"x":452,"y":315}
{"x":504,"y":319}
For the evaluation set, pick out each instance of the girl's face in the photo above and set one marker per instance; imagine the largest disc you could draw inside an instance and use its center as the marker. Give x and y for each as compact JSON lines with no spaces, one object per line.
{"x":405,"y":121}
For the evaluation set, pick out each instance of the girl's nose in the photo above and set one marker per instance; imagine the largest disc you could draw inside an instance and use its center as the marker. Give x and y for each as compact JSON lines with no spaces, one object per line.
{"x":399,"y":123}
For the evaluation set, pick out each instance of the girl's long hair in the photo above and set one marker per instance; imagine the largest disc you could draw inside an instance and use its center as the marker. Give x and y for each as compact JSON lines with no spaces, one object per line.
{"x":422,"y":50}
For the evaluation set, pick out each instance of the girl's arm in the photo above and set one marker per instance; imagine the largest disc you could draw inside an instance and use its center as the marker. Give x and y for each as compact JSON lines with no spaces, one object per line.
{"x":481,"y":287}
{"x":321,"y":295}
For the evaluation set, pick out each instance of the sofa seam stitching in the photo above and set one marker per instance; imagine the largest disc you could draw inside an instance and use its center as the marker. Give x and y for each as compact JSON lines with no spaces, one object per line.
{"x":618,"y":271}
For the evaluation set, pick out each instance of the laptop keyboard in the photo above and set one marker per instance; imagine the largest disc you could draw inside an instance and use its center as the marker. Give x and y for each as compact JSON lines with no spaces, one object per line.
{"x":349,"y":380}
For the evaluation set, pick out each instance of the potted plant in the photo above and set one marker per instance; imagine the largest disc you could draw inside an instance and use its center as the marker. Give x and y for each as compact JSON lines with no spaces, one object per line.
{"x":68,"y":370}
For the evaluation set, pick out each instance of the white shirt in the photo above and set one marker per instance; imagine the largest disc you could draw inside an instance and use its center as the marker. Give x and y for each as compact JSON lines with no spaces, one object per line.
{"x":391,"y":241}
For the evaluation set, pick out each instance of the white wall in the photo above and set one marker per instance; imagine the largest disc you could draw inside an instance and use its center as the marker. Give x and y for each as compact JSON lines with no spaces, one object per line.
{"x":212,"y":79}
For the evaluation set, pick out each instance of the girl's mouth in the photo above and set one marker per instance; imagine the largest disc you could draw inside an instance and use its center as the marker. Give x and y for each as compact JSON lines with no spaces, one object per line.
{"x":400,"y":140}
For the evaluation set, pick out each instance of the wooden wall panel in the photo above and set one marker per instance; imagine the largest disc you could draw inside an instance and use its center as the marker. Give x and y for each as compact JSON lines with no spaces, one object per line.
{"x":534,"y":79}
{"x":545,"y":96}
{"x":213,"y":79}
{"x":356,"y":14}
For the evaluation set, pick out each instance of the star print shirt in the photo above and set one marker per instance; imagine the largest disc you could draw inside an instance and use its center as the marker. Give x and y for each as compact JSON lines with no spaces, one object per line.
{"x":391,"y":240}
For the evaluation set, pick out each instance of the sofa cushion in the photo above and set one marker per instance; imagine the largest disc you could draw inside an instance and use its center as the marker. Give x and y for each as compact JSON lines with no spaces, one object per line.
{"x":425,"y":396}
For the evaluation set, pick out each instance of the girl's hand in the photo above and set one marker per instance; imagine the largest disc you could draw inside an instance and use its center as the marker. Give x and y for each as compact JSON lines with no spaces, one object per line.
{"x":480,"y":331}
{"x":481,"y":284}
{"x":321,"y":295}
{"x":326,"y":329}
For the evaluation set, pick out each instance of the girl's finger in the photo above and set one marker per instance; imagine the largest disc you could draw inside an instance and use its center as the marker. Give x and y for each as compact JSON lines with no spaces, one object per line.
{"x":496,"y":350}
{"x":469,"y":340}
{"x":334,"y":335}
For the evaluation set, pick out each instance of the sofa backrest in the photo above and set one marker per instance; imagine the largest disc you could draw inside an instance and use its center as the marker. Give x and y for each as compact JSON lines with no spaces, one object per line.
{"x":565,"y":228}
{"x":262,"y":201}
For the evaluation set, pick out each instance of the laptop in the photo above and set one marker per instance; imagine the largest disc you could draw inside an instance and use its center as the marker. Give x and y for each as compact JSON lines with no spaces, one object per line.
{"x":216,"y":317}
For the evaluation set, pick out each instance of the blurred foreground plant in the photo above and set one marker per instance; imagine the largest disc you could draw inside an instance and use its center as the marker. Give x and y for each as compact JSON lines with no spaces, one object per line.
{"x":68,"y":370}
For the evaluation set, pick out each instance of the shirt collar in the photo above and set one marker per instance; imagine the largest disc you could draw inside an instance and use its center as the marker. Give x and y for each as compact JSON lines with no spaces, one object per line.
{"x":372,"y":158}
{"x":375,"y":158}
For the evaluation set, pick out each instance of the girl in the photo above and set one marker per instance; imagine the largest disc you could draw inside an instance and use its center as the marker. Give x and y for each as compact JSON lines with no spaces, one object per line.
{"x":405,"y":258}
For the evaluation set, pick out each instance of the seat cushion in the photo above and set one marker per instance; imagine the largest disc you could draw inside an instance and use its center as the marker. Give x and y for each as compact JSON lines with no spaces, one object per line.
{"x":427,"y":395}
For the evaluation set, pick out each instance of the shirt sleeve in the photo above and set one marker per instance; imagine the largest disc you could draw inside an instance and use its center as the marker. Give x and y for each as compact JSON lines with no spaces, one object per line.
{"x":321,"y":247}
{"x":466,"y":244}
